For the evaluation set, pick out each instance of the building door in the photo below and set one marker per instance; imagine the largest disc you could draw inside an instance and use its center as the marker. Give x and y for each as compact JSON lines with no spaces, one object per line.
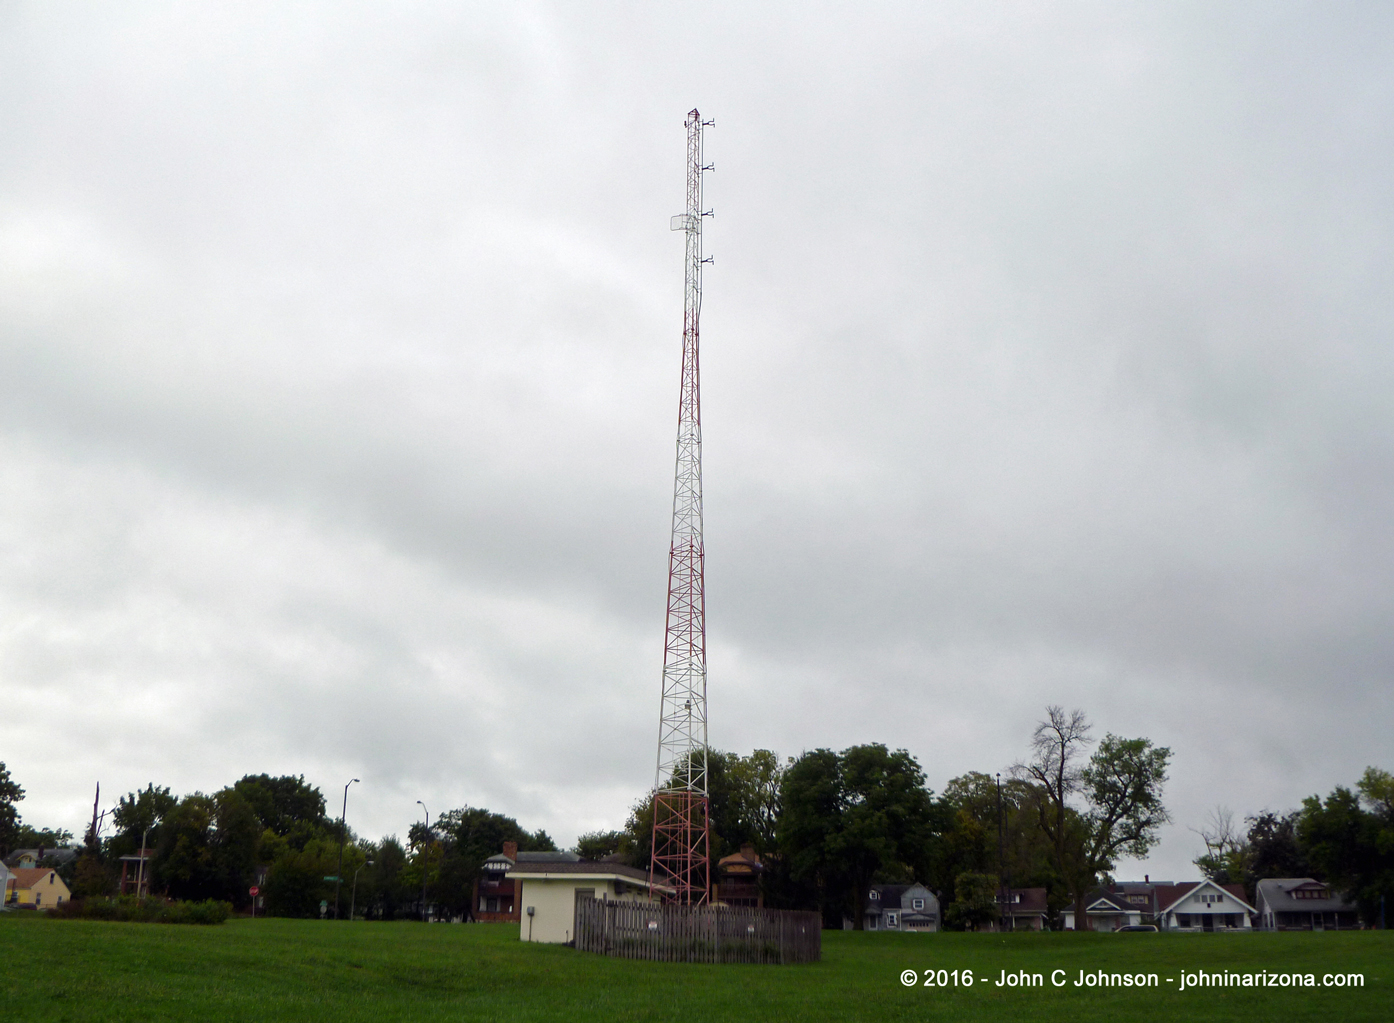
{"x":581,"y":893}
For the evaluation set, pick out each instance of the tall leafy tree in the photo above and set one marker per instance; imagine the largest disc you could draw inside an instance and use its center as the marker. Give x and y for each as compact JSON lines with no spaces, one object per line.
{"x":850,"y":817}
{"x":1273,"y":847}
{"x":1120,"y":787}
{"x":1352,"y":845}
{"x":974,"y":806}
{"x":10,"y":794}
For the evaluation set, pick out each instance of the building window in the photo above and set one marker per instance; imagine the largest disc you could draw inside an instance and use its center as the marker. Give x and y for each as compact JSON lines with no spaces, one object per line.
{"x":917,"y":903}
{"x":890,"y":920}
{"x":873,"y":894}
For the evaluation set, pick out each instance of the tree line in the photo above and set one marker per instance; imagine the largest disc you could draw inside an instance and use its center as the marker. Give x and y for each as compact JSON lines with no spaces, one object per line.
{"x":1345,"y":840}
{"x":827,"y":825}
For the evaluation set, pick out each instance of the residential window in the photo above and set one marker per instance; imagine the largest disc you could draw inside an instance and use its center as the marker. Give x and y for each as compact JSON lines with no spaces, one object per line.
{"x":917,"y":903}
{"x":891,"y":920}
{"x":873,"y":895}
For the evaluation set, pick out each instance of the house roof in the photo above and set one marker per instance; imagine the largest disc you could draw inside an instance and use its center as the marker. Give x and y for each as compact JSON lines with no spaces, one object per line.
{"x":740,"y":859}
{"x":1169,"y":895}
{"x":559,"y":856}
{"x":57,"y":853}
{"x":578,"y":867}
{"x":1033,"y":900}
{"x":1101,"y":901}
{"x":1278,"y":893}
{"x":28,"y":877}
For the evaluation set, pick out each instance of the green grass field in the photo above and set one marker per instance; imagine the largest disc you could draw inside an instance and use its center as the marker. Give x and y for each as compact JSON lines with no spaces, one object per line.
{"x":312,"y":971}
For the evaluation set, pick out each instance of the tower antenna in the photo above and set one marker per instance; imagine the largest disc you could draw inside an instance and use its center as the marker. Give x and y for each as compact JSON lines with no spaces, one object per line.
{"x":680,"y":802}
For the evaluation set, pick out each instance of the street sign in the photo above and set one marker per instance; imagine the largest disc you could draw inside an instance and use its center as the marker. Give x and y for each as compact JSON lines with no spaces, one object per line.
{"x":331,"y":879}
{"x":254,"y":891}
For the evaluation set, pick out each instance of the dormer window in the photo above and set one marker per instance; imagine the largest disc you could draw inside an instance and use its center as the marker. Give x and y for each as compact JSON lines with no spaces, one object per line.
{"x":874,"y":895}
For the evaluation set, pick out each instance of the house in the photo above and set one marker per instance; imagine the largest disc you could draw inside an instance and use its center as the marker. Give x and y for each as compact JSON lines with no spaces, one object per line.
{"x":550,"y":884}
{"x":1202,"y":906}
{"x":135,"y":873}
{"x":1302,"y":904}
{"x":1105,"y":910}
{"x":56,"y":856}
{"x":901,"y":907}
{"x":1025,"y":909}
{"x":40,"y":887}
{"x":6,"y":882}
{"x":495,"y":893}
{"x":738,"y":877}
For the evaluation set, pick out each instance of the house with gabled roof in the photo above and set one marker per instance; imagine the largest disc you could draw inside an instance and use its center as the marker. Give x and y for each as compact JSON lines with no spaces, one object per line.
{"x":1203,"y":906}
{"x":40,"y":887}
{"x":1105,"y":910}
{"x":1024,"y":909}
{"x":1303,"y":904}
{"x":495,"y":893}
{"x":901,"y":907}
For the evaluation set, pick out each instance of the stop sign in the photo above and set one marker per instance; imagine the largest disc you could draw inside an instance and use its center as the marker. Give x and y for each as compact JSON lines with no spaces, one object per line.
{"x":254,"y":891}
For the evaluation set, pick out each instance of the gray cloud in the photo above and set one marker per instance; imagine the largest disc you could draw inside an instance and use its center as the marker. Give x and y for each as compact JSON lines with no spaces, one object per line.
{"x":1045,"y":361}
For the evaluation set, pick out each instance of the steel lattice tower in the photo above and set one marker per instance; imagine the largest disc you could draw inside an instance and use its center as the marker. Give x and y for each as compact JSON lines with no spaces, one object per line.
{"x":680,"y":835}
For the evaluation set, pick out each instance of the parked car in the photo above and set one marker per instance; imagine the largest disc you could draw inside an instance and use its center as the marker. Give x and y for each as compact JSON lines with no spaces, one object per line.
{"x":1137,"y":927}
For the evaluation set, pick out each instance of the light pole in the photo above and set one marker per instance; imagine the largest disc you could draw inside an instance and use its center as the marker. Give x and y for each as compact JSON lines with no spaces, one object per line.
{"x":1004,"y":893}
{"x":339,"y":874}
{"x":425,"y":851}
{"x":353,"y":899}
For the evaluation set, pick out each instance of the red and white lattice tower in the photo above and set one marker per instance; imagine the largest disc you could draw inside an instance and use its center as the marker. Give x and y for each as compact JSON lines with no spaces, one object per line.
{"x":680,"y":837}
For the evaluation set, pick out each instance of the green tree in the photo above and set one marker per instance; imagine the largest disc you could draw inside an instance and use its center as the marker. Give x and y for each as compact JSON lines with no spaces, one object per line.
{"x":973,"y":807}
{"x":288,"y":807}
{"x":847,"y":818}
{"x":10,"y":794}
{"x":466,"y":838}
{"x":1273,"y":847}
{"x":1120,"y":786}
{"x":295,"y":883}
{"x":207,"y":848}
{"x":975,"y":901}
{"x":1352,"y":845}
{"x":596,"y":845}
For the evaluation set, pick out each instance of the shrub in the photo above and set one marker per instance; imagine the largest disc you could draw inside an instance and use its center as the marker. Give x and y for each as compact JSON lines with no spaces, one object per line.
{"x":129,"y":909}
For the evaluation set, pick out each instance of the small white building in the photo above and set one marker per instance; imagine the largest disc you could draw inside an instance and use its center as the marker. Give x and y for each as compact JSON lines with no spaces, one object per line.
{"x":549,"y":885}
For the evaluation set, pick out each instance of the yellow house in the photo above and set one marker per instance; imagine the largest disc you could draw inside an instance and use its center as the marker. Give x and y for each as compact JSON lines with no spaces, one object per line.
{"x":549,"y":886}
{"x":39,"y":887}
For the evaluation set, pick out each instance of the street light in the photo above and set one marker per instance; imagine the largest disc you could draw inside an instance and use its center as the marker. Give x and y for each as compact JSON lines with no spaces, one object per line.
{"x":425,"y":851}
{"x":353,"y":899}
{"x":339,"y":874}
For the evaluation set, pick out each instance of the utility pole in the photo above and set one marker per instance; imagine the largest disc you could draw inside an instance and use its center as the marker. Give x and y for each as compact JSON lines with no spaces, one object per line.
{"x":680,"y":800}
{"x":425,"y":859}
{"x":339,"y":873}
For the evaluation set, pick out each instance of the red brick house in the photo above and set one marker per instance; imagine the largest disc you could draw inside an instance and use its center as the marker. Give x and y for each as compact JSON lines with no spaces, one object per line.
{"x":495,"y":896}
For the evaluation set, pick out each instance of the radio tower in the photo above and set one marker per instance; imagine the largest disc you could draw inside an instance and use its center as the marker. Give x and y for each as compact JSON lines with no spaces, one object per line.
{"x":680,"y":842}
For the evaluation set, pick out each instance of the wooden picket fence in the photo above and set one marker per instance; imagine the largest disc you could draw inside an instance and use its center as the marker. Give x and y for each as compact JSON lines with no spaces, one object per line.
{"x":697,"y":934}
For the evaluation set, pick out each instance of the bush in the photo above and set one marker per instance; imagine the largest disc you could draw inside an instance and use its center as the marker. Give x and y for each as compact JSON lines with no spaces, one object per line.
{"x":129,"y":909}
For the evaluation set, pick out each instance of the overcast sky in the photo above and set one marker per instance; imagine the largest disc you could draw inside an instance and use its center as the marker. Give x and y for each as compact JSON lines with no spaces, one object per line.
{"x":1046,"y":359}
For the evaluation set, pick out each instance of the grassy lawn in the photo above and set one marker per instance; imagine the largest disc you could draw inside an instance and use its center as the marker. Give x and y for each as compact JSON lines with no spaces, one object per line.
{"x":312,"y":971}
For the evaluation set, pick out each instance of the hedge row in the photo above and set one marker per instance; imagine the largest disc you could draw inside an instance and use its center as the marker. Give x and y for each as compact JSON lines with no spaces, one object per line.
{"x":130,"y":909}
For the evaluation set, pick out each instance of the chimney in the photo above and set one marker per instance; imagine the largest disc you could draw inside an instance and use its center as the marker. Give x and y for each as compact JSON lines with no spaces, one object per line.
{"x":1146,"y":879}
{"x":510,"y":849}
